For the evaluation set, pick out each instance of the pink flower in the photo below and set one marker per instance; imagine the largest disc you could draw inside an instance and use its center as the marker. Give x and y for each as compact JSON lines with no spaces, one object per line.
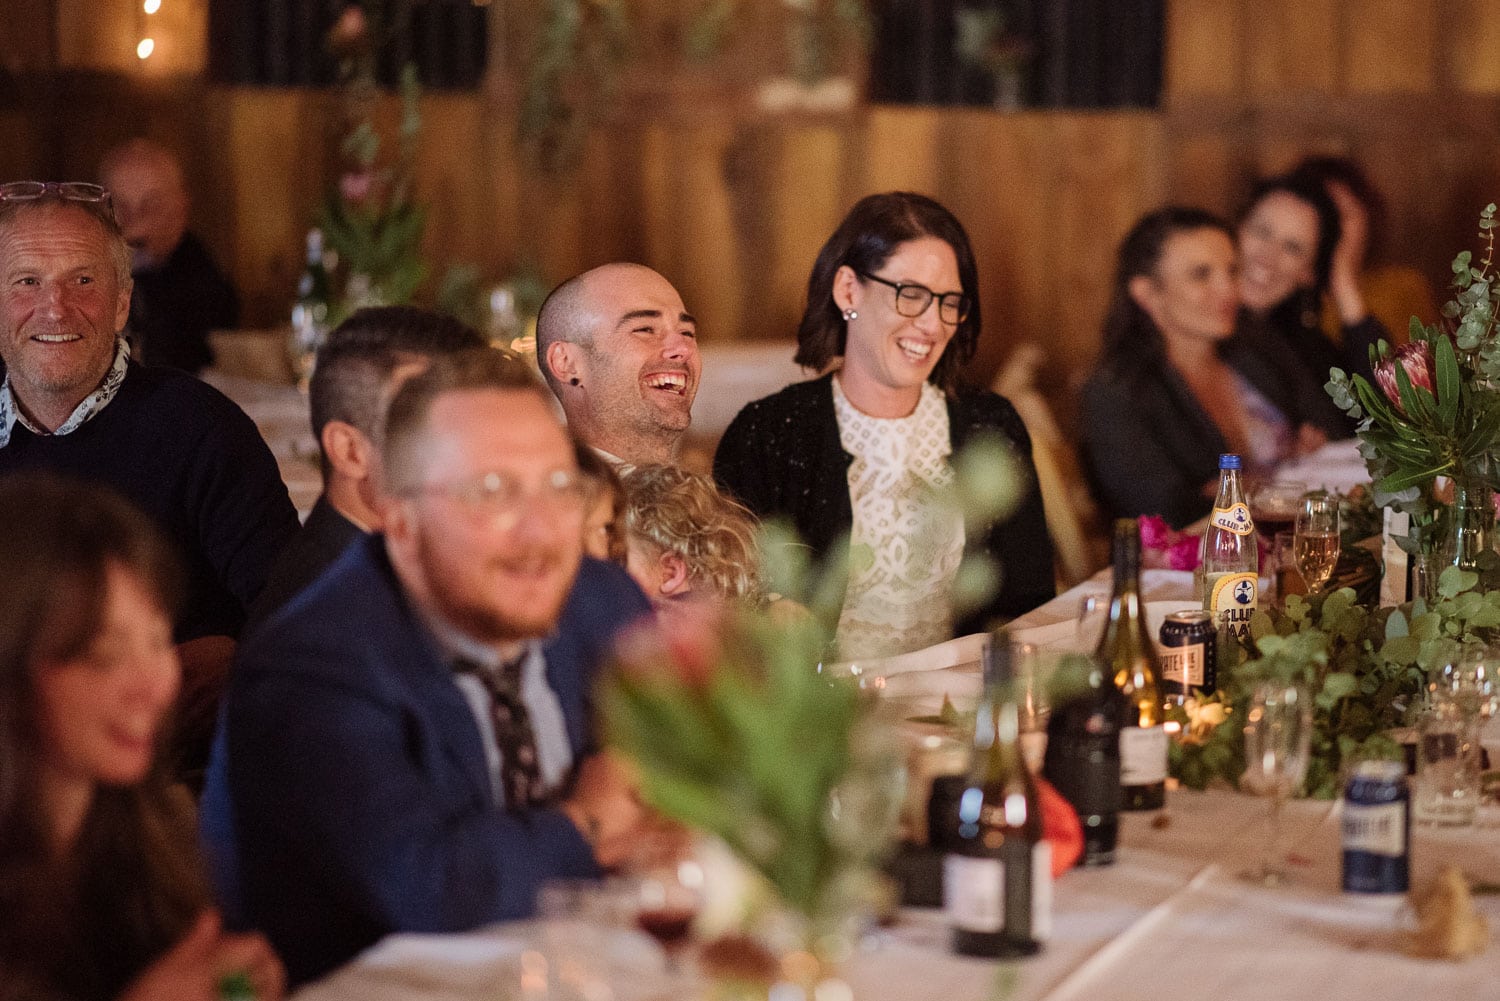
{"x":350,"y":28}
{"x":1155,"y":532}
{"x":1184,"y":553}
{"x":355,"y":186}
{"x":1416,"y":358}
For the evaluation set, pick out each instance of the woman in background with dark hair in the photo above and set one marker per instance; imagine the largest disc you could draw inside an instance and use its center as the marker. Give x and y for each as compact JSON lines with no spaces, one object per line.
{"x":101,"y":896}
{"x":1175,"y":386}
{"x":856,"y":455}
{"x":1287,"y":239}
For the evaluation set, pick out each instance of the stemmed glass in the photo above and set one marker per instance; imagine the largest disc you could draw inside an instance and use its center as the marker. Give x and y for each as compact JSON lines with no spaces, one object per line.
{"x":664,"y":900}
{"x":1317,"y":538}
{"x":1470,"y":679}
{"x":1278,"y":730}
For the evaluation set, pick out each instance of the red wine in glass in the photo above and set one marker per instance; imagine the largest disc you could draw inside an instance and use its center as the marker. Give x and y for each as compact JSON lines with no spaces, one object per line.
{"x":668,"y":925}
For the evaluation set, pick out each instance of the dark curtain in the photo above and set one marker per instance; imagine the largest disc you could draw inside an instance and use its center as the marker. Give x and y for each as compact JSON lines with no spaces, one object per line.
{"x":280,"y":43}
{"x":1073,"y":53}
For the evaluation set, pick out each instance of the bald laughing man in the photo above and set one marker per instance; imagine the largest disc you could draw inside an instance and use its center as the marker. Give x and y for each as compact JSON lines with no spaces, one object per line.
{"x":620,"y":350}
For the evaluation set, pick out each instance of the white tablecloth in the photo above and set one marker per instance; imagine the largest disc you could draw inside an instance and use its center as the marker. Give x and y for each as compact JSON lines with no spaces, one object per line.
{"x":279,"y":410}
{"x":1168,"y":921}
{"x":1335,"y":466}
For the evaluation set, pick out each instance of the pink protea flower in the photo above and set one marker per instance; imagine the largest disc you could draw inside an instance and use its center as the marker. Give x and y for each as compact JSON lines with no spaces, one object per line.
{"x":1416,"y":358}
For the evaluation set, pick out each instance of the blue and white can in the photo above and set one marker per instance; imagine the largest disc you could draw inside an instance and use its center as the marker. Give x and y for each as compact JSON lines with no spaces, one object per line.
{"x":1377,"y":829}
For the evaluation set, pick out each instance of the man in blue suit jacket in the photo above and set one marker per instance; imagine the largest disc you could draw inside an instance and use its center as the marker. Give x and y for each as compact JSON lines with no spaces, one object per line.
{"x":362,"y":777}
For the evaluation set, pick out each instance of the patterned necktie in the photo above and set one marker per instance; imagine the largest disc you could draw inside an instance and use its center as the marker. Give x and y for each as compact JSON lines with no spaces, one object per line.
{"x":520,"y":775}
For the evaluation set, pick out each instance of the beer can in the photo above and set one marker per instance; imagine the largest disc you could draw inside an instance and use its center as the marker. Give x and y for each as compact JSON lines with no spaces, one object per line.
{"x":1377,"y":829}
{"x":1188,"y":654}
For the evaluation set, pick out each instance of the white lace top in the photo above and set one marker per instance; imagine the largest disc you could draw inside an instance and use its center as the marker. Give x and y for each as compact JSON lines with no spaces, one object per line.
{"x":905,"y":546}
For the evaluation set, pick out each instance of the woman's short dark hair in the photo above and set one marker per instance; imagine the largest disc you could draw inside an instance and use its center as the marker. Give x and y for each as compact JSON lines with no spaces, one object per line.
{"x":1130,"y":335}
{"x":1309,"y":190}
{"x":864,"y":241}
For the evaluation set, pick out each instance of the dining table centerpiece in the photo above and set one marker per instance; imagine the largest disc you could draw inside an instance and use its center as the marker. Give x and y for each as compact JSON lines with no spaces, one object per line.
{"x":1429,"y":426}
{"x":1367,"y":670}
{"x":739,"y":736}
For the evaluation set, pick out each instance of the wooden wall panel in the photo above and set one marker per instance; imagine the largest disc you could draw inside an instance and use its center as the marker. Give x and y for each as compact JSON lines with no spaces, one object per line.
{"x":1205,"y":51}
{"x":101,"y":35}
{"x":275,"y":183}
{"x":26,"y":42}
{"x":1203,"y":170}
{"x":1292,"y":47}
{"x":1473,"y":63}
{"x":1392,"y":46}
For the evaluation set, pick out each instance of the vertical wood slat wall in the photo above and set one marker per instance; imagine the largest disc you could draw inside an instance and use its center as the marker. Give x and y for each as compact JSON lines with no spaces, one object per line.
{"x":732,"y":204}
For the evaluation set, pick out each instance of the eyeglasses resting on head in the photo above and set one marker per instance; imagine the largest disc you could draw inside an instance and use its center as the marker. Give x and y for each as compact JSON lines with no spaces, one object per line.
{"x":83,"y":192}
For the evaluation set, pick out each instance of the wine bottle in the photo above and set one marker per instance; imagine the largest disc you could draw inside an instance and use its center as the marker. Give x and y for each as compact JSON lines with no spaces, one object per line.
{"x":310,"y":311}
{"x":997,"y":875}
{"x":1082,"y":759}
{"x":1128,"y":655}
{"x":1230,"y":564}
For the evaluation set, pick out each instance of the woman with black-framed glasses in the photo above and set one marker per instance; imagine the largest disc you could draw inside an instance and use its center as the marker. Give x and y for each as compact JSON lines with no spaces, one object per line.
{"x":861,"y":453}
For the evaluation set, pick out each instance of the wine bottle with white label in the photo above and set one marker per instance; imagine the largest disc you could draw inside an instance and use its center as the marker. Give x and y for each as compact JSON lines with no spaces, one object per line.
{"x":997,"y":875}
{"x":1230,"y":565}
{"x":1128,"y":654}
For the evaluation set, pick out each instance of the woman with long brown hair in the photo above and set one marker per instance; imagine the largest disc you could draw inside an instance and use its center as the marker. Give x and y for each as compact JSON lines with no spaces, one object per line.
{"x":101,"y":895}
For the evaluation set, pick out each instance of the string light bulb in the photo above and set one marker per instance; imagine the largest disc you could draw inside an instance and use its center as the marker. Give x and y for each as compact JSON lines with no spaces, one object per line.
{"x":144,"y":50}
{"x":152,"y":6}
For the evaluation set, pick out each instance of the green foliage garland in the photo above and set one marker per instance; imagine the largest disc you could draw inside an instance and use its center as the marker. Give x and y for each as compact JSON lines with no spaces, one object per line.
{"x":1366,"y":669}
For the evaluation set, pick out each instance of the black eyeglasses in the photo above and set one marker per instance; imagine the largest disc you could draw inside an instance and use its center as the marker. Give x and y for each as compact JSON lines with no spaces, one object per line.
{"x":912,"y":300}
{"x":73,"y":191}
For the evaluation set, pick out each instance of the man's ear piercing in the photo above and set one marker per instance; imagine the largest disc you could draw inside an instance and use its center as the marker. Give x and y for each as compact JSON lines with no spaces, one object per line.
{"x":573,"y":381}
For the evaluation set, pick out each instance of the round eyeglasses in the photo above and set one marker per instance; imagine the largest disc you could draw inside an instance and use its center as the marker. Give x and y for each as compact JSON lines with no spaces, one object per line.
{"x":912,"y":300}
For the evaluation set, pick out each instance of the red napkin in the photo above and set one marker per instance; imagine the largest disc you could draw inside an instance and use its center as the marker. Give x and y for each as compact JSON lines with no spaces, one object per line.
{"x":1060,"y":827}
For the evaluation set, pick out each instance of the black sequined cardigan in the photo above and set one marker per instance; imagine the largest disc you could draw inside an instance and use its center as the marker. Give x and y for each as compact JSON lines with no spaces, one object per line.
{"x":781,"y":457}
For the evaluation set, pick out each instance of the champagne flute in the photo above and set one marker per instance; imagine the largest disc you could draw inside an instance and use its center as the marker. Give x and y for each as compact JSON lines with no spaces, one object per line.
{"x":1278,"y":730}
{"x":1317,"y":538}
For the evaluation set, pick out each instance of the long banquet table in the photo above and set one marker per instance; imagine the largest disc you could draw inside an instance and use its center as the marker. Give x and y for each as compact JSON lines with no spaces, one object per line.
{"x":1169,"y":920}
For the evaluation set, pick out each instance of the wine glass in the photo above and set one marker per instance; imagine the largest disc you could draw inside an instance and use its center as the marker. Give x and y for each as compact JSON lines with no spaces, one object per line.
{"x":665,"y":899}
{"x":1470,"y":679}
{"x":1274,"y":505}
{"x":1278,"y":730}
{"x":1317,"y":538}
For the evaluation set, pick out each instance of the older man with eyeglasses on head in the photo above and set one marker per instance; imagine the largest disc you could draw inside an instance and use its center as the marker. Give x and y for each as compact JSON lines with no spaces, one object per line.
{"x":72,"y":401}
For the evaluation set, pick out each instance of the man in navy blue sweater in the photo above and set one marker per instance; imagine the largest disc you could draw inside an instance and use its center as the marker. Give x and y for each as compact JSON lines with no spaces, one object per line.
{"x":72,"y":401}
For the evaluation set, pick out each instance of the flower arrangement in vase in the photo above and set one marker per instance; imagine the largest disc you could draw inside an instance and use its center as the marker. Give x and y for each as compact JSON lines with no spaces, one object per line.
{"x":1430,"y":425}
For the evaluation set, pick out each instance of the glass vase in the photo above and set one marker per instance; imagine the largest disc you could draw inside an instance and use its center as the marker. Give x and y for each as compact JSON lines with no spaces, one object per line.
{"x":1473,"y":520}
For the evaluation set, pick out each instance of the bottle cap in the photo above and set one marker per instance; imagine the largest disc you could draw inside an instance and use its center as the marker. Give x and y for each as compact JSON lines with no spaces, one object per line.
{"x":1229,"y":461}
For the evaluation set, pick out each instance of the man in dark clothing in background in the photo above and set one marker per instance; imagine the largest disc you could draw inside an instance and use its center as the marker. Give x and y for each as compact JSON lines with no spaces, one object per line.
{"x":359,"y":368}
{"x":180,"y":293}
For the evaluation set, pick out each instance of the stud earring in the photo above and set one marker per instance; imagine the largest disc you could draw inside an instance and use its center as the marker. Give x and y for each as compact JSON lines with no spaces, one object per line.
{"x":850,"y":314}
{"x":574,"y":381}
